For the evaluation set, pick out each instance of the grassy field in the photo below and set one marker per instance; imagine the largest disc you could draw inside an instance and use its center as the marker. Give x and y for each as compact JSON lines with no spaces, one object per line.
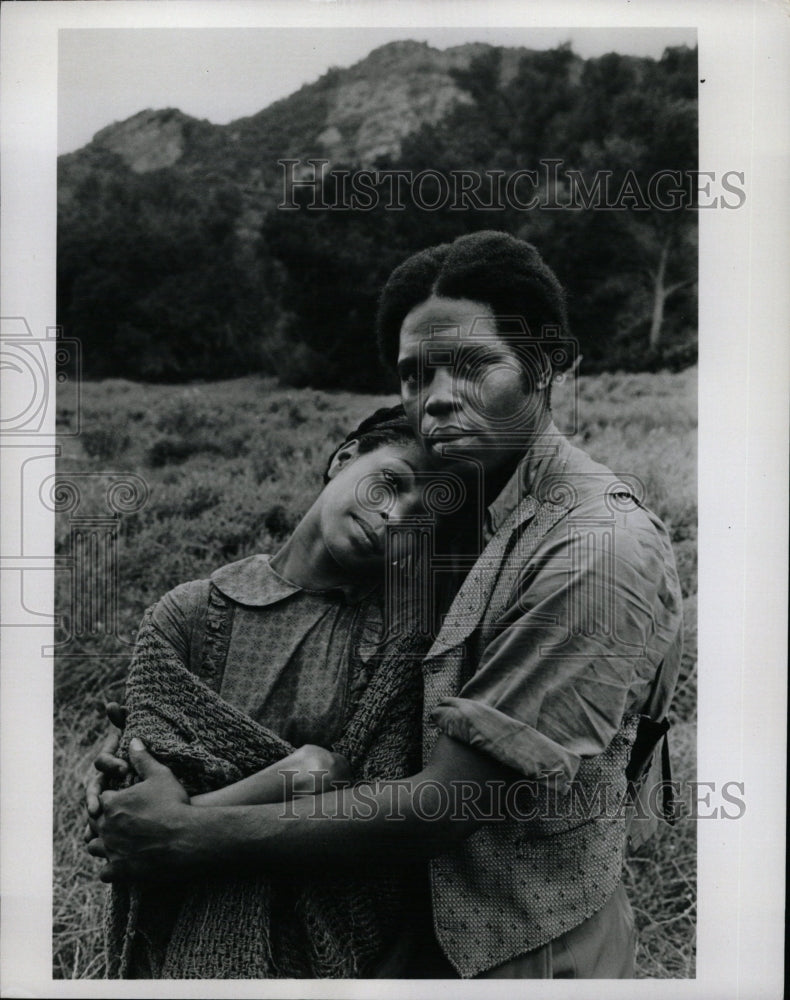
{"x":231,"y":466}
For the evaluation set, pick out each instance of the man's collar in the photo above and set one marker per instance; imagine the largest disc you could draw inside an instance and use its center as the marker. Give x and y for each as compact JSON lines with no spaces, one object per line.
{"x":546,"y":455}
{"x":253,"y":582}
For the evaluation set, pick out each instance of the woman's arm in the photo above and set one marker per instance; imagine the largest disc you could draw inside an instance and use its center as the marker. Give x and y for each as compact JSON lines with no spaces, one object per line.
{"x":309,"y":770}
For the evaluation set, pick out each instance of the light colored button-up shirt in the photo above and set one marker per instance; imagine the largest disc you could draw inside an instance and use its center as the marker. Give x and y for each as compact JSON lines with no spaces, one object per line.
{"x":584,"y":634}
{"x":593,"y":631}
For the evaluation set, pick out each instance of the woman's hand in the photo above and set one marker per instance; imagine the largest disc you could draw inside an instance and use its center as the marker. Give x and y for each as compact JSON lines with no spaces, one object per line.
{"x":107,"y":766}
{"x":315,"y":770}
{"x":144,"y":831}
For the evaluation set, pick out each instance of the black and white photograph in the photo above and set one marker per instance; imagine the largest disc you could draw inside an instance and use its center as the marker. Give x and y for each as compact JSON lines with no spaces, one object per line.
{"x":387,"y":590}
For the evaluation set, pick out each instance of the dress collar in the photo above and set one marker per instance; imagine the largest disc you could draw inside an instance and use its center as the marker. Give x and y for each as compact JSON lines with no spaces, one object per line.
{"x":253,"y":582}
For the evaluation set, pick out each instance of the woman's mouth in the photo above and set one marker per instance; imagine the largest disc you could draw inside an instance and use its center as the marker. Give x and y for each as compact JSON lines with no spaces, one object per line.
{"x":374,"y":541}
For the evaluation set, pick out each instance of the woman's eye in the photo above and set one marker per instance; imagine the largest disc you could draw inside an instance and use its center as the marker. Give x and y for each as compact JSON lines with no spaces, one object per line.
{"x":389,"y":478}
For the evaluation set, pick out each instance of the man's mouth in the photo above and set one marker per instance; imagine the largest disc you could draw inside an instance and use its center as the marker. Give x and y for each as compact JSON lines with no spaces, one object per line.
{"x":435,"y":439}
{"x":447,"y":433}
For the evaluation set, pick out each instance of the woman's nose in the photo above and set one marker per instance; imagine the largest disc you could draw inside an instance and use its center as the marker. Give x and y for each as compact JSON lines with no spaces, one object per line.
{"x":408,"y":503}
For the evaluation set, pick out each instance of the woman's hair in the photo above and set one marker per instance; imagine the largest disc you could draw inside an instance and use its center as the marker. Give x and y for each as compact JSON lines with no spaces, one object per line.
{"x":492,"y":268}
{"x":386,"y":426}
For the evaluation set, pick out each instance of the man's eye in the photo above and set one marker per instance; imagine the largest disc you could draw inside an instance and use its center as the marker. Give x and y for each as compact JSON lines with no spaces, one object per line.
{"x":409,"y":378}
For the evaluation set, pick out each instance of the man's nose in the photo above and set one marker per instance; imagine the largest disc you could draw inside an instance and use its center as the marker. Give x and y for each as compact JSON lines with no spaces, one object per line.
{"x":439,"y":396}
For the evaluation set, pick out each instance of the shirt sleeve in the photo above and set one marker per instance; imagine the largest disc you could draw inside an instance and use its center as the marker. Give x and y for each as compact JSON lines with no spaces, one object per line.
{"x":576,"y":639}
{"x":177,"y":617}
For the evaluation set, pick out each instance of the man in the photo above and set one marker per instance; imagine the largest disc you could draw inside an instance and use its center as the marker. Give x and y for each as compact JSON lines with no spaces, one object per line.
{"x":565,"y":631}
{"x":570,"y":624}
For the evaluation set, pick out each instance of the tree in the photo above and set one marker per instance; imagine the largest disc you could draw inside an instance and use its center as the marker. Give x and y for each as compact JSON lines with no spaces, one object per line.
{"x":151,"y":280}
{"x":644,"y":122}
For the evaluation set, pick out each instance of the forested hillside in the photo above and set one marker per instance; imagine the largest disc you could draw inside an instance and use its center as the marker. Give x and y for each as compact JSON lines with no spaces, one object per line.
{"x":175,"y":261}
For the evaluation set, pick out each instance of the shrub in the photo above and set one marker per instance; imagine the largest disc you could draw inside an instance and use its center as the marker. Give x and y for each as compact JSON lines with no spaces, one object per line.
{"x":104,"y":441}
{"x":167,"y":450}
{"x":188,"y":415}
{"x":279,"y":522}
{"x":264,"y":467}
{"x":185,"y":499}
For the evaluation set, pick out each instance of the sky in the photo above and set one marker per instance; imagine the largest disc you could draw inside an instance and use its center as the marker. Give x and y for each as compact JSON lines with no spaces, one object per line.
{"x":106,"y":75}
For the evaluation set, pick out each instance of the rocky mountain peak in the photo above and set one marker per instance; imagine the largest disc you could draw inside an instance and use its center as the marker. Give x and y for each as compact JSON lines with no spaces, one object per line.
{"x":148,"y":140}
{"x":377,"y":102}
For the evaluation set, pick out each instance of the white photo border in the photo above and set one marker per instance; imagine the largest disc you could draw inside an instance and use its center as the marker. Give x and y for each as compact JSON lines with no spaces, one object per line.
{"x":744,"y":60}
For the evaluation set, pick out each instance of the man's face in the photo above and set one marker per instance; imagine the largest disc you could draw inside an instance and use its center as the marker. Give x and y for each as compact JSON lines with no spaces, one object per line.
{"x":463,"y":388}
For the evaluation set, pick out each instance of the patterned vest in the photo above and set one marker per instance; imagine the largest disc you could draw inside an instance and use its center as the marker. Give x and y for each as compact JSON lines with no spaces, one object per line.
{"x":516,"y":884}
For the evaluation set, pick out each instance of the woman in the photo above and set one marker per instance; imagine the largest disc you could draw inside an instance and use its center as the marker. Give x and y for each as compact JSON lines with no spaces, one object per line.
{"x":230,"y":676}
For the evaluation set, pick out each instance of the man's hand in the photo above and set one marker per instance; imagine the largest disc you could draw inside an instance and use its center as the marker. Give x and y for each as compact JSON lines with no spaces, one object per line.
{"x":144,"y":831}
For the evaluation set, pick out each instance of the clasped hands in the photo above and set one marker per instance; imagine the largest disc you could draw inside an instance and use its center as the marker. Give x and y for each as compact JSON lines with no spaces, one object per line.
{"x":141,"y":831}
{"x":151,"y":828}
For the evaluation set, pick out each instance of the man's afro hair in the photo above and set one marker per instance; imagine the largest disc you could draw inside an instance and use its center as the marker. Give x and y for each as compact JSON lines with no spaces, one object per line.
{"x":500,"y":271}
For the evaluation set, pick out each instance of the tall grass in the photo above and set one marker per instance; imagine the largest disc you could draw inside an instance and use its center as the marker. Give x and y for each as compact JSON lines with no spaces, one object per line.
{"x":231,"y":467}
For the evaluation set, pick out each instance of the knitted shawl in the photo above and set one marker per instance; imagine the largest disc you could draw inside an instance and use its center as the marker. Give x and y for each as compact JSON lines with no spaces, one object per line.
{"x":258,"y":926}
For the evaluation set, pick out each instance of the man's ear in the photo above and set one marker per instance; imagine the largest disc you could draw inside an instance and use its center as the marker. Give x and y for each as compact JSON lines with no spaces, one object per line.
{"x":342,"y":457}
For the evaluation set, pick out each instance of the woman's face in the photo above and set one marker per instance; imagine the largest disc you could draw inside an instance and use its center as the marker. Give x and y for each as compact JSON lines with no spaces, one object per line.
{"x":365,"y":493}
{"x":463,"y":388}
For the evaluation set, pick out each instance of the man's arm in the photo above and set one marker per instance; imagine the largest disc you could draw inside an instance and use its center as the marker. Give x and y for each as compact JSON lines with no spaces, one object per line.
{"x":577,"y":647}
{"x":151,"y":829}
